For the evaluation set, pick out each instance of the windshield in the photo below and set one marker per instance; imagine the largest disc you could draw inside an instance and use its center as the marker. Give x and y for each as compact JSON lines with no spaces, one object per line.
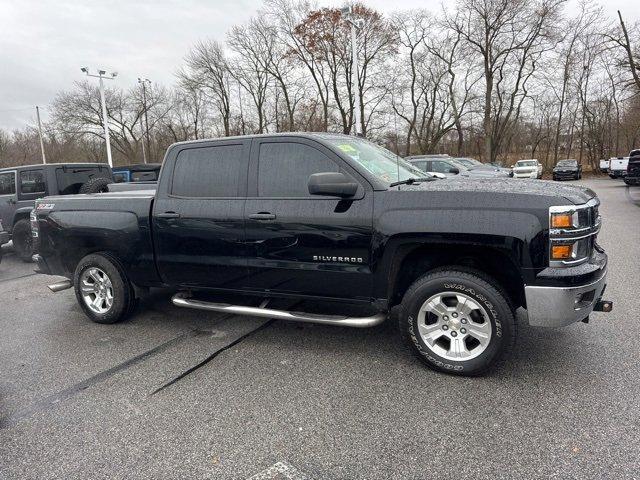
{"x":527,"y":163}
{"x":377,"y":160}
{"x":566,"y":163}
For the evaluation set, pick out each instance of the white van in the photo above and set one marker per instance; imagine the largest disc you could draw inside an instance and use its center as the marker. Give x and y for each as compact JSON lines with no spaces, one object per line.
{"x":618,"y":167}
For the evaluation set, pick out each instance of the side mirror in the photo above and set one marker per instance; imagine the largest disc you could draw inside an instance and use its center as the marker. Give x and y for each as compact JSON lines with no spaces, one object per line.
{"x":454,"y":170}
{"x":332,"y":184}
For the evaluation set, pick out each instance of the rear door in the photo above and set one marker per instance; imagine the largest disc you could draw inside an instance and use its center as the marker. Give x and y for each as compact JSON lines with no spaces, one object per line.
{"x":299,"y":243}
{"x":198,"y":215}
{"x":8,"y":198}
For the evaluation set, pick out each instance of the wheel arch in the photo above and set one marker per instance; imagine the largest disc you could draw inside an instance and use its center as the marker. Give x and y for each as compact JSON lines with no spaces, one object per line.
{"x":413,"y":261}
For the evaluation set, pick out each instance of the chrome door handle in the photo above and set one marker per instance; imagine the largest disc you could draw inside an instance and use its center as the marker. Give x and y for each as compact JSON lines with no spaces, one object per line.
{"x":168,"y":215}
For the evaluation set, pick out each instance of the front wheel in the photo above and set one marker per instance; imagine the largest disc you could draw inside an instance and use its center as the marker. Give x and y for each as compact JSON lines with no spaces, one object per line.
{"x":102,"y":288}
{"x":457,"y":321}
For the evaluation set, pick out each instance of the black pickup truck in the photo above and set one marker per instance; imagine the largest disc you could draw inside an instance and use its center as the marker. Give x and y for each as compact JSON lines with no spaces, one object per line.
{"x":332,"y":218}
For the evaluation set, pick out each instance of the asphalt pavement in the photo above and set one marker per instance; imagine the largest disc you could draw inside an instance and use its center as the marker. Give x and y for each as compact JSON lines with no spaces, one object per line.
{"x":176,"y":393}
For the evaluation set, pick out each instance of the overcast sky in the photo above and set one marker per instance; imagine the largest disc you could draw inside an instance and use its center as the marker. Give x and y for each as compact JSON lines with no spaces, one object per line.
{"x":44,"y":43}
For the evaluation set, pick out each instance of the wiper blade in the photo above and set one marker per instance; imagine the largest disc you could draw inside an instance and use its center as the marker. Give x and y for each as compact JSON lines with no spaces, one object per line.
{"x":412,"y":180}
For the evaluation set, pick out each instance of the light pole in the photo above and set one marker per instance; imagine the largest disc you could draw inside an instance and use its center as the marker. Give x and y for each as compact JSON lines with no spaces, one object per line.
{"x":44,"y":158}
{"x":349,"y":16}
{"x":144,"y":81}
{"x":102,"y":74}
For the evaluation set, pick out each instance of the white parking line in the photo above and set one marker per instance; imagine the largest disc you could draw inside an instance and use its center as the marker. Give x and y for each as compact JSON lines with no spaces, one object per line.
{"x":280,"y":471}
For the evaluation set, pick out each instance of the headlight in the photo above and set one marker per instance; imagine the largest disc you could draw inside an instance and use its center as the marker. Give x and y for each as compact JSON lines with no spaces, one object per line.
{"x":572,"y":233}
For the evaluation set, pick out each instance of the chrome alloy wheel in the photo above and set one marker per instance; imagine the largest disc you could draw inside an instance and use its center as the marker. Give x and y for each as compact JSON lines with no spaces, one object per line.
{"x":97,"y":290}
{"x":454,"y":326}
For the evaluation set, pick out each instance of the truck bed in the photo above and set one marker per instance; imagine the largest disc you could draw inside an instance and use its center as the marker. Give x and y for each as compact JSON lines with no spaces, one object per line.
{"x":117,"y":222}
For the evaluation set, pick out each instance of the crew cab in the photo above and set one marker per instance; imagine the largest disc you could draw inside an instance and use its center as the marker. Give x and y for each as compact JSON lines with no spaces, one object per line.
{"x":339,"y":221}
{"x":21,"y":186}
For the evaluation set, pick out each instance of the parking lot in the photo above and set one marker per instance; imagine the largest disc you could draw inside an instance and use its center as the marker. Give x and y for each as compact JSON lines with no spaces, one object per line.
{"x":176,"y":393}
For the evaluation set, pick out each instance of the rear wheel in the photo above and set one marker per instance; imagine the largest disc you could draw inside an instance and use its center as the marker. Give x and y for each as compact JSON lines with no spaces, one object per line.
{"x":102,"y":288}
{"x":457,"y":321}
{"x":23,"y":240}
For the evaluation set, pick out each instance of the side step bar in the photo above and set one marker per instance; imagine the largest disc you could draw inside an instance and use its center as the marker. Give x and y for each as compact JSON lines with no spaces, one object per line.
{"x":58,"y":287}
{"x":182,"y":300}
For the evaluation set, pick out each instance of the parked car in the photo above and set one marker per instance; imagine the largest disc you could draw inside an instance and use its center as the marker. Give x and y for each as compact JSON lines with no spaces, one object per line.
{"x":604,"y":165}
{"x":141,"y":172}
{"x":633,"y":169}
{"x":21,"y":186}
{"x":444,"y":165}
{"x":349,"y":222}
{"x":4,"y":238}
{"x":488,"y":170}
{"x":568,"y":169}
{"x":530,"y":168}
{"x":468,"y":162}
{"x":618,"y":167}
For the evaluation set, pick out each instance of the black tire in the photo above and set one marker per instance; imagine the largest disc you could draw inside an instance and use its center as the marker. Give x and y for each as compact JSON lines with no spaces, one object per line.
{"x":95,"y":185}
{"x":481,"y":289}
{"x":23,"y":240}
{"x":124,"y":299}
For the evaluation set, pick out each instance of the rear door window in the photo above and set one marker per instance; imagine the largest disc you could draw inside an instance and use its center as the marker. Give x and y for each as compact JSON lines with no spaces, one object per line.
{"x":209,"y":172}
{"x":32,"y":182}
{"x":8,"y":183}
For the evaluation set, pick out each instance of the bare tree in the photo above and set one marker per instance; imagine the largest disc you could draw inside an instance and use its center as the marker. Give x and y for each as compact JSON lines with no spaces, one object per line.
{"x":509,"y":36}
{"x":207,"y":70}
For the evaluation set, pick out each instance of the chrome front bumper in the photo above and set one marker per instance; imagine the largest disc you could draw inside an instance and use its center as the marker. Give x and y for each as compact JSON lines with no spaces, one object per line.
{"x":562,"y":306}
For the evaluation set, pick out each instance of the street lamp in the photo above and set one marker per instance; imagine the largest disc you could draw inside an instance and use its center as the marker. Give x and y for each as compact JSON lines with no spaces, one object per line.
{"x":349,"y":15}
{"x":144,"y":81}
{"x":102,"y":74}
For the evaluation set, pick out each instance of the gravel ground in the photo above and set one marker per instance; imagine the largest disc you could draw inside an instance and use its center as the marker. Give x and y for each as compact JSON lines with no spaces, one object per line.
{"x":81,"y":400}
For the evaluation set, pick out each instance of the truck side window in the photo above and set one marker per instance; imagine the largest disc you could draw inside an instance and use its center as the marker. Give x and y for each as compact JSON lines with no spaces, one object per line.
{"x":7,"y":183}
{"x":208,"y":171}
{"x":32,"y":181}
{"x":284,"y":168}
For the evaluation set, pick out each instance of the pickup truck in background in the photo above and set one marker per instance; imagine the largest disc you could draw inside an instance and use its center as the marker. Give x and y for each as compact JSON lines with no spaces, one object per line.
{"x":21,"y":186}
{"x":343,"y":222}
{"x":618,"y":167}
{"x":604,"y":165}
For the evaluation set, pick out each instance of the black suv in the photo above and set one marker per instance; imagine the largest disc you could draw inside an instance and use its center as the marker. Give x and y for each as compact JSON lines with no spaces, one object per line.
{"x":568,"y":169}
{"x":21,"y":186}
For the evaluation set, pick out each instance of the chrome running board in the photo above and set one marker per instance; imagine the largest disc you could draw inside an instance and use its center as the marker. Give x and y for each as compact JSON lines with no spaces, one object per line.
{"x":58,"y":287}
{"x":182,"y":300}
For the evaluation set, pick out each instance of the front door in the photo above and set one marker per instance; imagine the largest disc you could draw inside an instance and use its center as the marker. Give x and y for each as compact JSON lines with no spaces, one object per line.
{"x":198,"y":219}
{"x":8,"y":198}
{"x":299,"y":243}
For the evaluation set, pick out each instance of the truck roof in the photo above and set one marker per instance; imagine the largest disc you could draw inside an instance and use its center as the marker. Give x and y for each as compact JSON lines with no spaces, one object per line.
{"x":310,"y":135}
